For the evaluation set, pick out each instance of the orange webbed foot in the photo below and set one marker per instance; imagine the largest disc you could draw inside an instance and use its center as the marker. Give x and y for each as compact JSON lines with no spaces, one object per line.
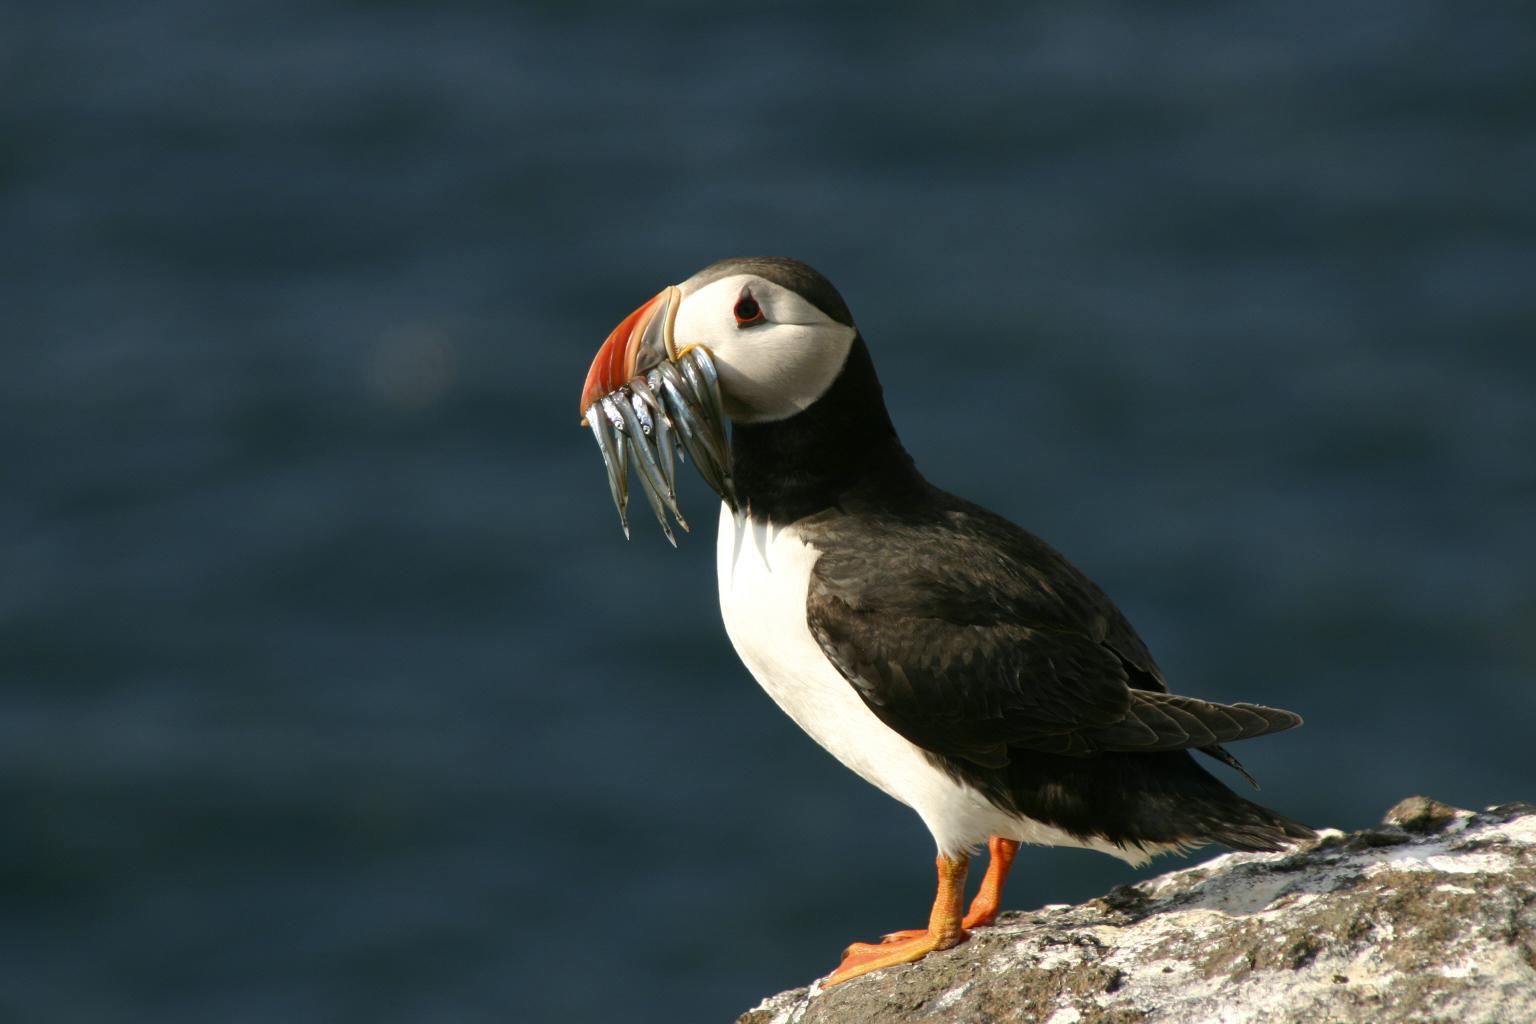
{"x":863,"y":957}
{"x":943,"y":931}
{"x":890,"y":937}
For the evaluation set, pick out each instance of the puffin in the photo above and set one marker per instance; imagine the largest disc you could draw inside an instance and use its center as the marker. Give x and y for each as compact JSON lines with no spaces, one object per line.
{"x":950,"y":658}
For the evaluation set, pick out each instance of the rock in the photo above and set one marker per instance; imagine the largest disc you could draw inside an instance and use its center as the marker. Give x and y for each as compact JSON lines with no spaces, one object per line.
{"x":1429,"y":917}
{"x":1421,"y":814}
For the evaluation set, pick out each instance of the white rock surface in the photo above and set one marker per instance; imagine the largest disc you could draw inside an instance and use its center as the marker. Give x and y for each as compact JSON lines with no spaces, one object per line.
{"x":1430,"y":917}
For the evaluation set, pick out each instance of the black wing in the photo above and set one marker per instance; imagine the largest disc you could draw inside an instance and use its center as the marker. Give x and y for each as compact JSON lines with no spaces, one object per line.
{"x":968,"y":635}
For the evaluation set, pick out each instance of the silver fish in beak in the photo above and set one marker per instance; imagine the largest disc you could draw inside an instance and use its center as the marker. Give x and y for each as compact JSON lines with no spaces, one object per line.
{"x":647,"y":403}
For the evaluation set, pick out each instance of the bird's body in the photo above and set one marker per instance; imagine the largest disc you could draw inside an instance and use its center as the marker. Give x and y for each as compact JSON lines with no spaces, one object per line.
{"x":765,"y":573}
{"x":950,"y":658}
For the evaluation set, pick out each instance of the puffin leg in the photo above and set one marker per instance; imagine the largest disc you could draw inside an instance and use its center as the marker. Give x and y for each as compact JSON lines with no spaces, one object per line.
{"x":989,"y":898}
{"x":944,"y":929}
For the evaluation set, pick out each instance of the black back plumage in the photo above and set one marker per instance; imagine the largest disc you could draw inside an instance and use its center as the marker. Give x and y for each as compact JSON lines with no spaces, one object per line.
{"x":982,"y":645}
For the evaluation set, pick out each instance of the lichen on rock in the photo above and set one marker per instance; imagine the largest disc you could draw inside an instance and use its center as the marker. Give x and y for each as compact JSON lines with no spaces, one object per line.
{"x":1430,"y":916}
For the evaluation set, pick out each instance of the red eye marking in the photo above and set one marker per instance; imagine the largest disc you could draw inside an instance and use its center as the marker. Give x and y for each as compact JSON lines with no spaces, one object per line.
{"x":747,"y":310}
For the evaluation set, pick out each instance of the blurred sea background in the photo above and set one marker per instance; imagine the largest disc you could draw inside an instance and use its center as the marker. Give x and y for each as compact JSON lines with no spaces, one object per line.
{"x":329,"y":689}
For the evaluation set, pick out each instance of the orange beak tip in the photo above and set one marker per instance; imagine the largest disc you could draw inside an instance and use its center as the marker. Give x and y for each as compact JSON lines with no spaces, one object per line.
{"x":617,"y":358}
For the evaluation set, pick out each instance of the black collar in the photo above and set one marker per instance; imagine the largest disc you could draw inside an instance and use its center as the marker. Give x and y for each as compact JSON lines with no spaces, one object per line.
{"x":843,"y":447}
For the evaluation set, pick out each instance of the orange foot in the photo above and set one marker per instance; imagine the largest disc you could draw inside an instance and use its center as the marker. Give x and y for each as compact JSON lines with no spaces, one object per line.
{"x":988,"y":898}
{"x":944,"y":930}
{"x":863,"y":957}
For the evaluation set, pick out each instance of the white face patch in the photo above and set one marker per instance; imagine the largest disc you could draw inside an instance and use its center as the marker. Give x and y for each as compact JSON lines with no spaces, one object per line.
{"x":772,"y":369}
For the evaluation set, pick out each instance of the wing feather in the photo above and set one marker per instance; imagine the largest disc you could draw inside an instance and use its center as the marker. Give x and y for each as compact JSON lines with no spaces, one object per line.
{"x":979,"y":637}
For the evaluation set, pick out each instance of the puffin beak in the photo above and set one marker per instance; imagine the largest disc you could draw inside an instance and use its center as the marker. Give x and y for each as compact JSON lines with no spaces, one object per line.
{"x":642,"y":340}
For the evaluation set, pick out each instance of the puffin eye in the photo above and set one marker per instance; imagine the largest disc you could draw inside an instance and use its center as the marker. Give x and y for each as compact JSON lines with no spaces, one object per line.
{"x":747,"y":310}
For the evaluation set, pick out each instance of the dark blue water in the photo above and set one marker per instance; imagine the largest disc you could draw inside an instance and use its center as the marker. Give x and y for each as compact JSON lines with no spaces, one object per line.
{"x":329,"y":690}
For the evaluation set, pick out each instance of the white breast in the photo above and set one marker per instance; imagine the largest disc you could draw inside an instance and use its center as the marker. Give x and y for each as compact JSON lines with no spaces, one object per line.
{"x":764,"y":576}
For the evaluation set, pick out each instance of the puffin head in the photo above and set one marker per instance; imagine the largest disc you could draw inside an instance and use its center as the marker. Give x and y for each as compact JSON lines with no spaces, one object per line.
{"x":778,"y":331}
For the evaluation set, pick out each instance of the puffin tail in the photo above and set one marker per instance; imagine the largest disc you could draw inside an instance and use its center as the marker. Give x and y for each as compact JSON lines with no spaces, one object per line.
{"x":1254,"y":827}
{"x":1146,"y":802}
{"x":1192,"y":806}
